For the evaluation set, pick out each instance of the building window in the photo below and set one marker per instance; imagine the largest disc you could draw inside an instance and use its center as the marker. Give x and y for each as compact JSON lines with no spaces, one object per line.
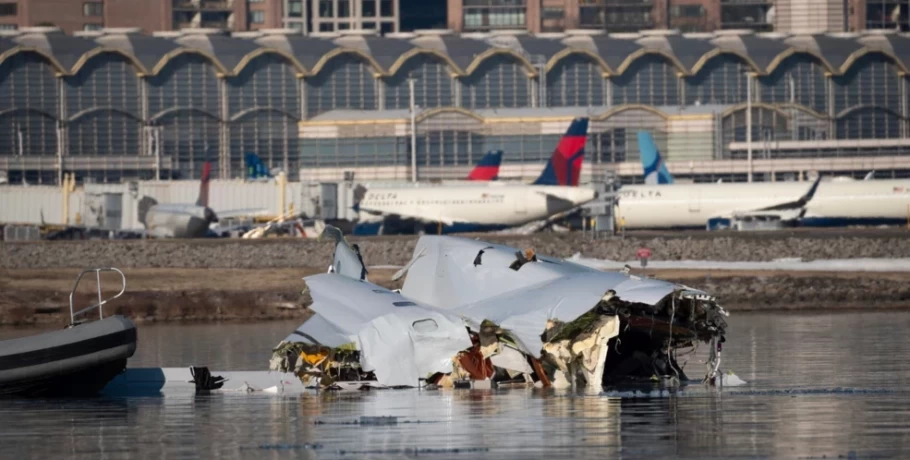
{"x":254,"y":1}
{"x":344,"y":9}
{"x":93,"y":9}
{"x":326,"y":27}
{"x":553,"y":13}
{"x":687,"y":11}
{"x":385,"y":8}
{"x":257,"y":17}
{"x":91,"y":27}
{"x":325,"y":9}
{"x":368,"y":7}
{"x":298,"y":26}
{"x":9,"y":9}
{"x":494,"y":14}
{"x":295,"y":8}
{"x":7,"y":26}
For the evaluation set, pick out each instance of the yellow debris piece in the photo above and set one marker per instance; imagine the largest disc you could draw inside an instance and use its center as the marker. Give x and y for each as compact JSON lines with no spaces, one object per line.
{"x":315,"y":358}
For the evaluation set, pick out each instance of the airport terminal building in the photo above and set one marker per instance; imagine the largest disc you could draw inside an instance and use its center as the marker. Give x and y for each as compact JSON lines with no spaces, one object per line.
{"x":116,"y":105}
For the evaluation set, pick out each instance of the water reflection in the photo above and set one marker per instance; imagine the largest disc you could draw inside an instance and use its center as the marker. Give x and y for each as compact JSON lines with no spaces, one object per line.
{"x":775,"y":353}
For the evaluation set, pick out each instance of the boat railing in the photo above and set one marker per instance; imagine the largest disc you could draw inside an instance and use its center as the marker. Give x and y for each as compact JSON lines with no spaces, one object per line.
{"x":101,"y":302}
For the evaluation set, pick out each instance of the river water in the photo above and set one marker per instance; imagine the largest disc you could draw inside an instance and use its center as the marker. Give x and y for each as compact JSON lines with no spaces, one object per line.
{"x":819,"y":386}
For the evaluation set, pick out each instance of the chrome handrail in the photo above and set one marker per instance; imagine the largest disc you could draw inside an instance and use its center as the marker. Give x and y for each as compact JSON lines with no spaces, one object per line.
{"x":101,"y":302}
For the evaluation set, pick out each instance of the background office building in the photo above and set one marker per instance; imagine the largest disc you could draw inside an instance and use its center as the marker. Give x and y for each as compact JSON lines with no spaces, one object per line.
{"x":790,"y":16}
{"x":233,"y":15}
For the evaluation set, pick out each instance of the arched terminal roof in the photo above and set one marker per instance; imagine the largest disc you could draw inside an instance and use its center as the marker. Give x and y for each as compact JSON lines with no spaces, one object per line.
{"x":464,"y":54}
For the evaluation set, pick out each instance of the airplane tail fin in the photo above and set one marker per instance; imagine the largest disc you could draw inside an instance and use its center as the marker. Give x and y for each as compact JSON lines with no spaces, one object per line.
{"x":564,"y":167}
{"x":655,"y":169}
{"x":145,"y":204}
{"x":346,"y":260}
{"x":255,"y":168}
{"x":488,"y":167}
{"x":359,"y":193}
{"x":204,"y":185}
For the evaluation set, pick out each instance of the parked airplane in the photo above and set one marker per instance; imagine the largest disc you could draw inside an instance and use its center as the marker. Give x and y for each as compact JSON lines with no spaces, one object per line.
{"x":655,"y":169}
{"x":717,"y":205}
{"x":481,"y":208}
{"x":177,"y":220}
{"x":487,"y":168}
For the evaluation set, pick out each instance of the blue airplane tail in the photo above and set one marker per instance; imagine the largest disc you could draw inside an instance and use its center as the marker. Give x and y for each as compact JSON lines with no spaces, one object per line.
{"x":564,"y":167}
{"x":255,"y":168}
{"x":655,"y":169}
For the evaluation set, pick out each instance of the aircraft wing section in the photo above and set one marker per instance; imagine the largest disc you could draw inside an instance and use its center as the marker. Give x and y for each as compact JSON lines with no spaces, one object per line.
{"x":422,"y":218}
{"x":452,"y":271}
{"x":798,"y":204}
{"x":241,"y":212}
{"x":399,"y":340}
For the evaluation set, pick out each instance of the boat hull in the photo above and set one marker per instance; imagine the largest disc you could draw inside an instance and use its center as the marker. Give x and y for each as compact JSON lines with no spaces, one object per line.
{"x":77,"y":361}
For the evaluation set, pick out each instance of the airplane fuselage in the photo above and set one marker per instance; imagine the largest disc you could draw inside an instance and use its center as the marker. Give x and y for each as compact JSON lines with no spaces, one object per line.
{"x":692,"y":205}
{"x":178,"y":221}
{"x":484,"y":207}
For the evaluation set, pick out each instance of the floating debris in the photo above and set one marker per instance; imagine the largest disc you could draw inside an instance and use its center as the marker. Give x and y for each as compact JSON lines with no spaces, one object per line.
{"x":474,"y":314}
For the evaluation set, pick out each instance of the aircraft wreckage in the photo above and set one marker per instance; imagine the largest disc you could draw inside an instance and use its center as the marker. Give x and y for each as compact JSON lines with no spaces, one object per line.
{"x":471,"y":313}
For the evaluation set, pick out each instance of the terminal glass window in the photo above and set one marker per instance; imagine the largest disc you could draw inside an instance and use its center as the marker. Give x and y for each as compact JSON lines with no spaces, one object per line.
{"x":295,"y":8}
{"x":93,"y":9}
{"x":9,"y":9}
{"x":494,"y":14}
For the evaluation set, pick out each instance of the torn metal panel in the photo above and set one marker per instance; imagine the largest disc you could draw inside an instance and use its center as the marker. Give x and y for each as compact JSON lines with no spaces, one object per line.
{"x":398,"y":339}
{"x":445,"y":275}
{"x":318,"y":330}
{"x":511,"y":359}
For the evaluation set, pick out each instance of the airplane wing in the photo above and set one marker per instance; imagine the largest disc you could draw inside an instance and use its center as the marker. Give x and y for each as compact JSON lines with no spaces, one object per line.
{"x":798,"y":204}
{"x":430,"y":220}
{"x":241,"y":212}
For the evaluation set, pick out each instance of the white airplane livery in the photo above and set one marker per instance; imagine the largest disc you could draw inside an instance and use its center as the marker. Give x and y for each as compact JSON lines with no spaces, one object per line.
{"x":453,"y":209}
{"x":832,"y":203}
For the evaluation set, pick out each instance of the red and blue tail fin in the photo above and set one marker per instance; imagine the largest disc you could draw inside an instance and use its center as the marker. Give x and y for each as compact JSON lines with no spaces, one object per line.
{"x":488,"y":167}
{"x":564,"y":167}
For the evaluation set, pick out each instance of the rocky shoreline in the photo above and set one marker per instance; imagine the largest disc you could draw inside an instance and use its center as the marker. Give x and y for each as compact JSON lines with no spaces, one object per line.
{"x":234,"y":280}
{"x":289,"y":253}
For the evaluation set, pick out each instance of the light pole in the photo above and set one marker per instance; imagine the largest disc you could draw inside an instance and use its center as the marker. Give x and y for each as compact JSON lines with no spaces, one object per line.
{"x":413,"y":110}
{"x":749,"y":124}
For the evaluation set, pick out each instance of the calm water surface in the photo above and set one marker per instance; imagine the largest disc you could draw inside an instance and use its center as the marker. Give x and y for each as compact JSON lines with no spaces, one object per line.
{"x":820,"y":386}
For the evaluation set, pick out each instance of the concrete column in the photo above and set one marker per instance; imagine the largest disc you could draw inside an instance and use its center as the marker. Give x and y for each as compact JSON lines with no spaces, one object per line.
{"x":904,"y":108}
{"x":659,"y":14}
{"x":829,"y":92}
{"x":396,"y":6}
{"x":224,"y":150}
{"x":857,"y":21}
{"x":143,"y":116}
{"x":455,"y":14}
{"x":608,"y":92}
{"x":303,"y":98}
{"x":61,"y":127}
{"x":532,"y":16}
{"x":274,"y":13}
{"x":571,"y":14}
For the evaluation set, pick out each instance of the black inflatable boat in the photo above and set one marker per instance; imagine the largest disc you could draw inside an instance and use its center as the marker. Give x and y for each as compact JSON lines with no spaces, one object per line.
{"x":76,"y":361}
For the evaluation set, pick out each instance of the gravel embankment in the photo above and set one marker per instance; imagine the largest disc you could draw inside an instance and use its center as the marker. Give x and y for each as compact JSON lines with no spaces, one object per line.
{"x":286,"y":253}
